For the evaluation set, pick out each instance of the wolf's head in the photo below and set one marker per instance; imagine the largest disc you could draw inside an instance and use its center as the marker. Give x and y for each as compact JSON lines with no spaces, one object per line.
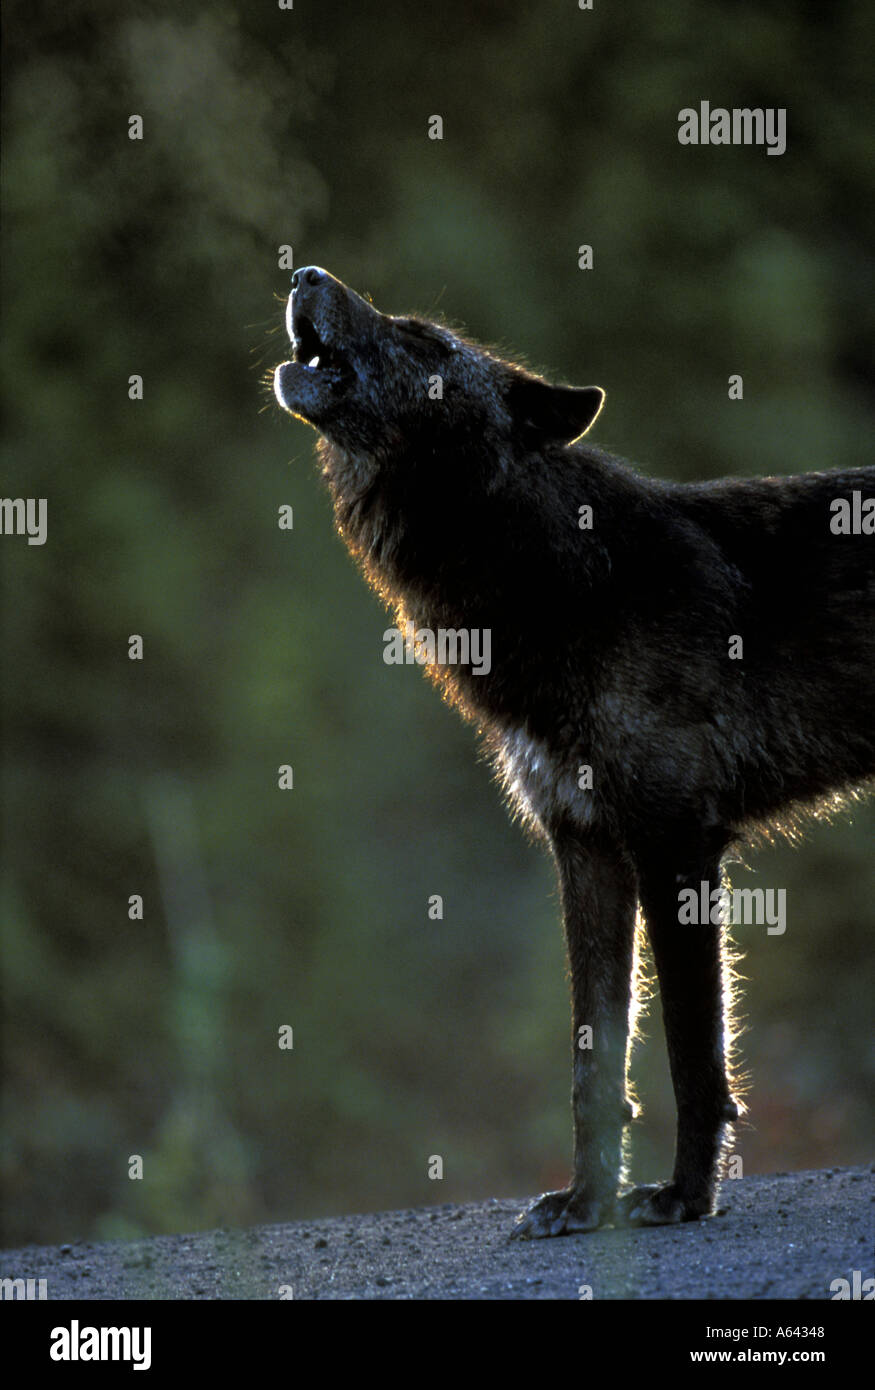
{"x":373,"y":384}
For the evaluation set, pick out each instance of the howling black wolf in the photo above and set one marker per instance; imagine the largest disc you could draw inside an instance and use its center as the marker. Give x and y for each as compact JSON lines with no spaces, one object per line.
{"x":673,"y":666}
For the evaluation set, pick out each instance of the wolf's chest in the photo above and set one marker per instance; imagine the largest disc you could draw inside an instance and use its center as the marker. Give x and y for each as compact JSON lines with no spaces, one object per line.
{"x":543,"y":784}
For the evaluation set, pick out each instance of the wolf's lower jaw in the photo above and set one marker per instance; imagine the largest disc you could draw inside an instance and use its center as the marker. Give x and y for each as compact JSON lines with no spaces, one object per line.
{"x":569,"y":1211}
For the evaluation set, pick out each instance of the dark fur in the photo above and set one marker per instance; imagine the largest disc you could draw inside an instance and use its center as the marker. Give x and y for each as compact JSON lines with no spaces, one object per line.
{"x":610,"y":647}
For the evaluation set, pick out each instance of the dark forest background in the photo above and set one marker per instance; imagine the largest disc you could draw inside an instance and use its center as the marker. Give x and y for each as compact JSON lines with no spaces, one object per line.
{"x":263,"y":907}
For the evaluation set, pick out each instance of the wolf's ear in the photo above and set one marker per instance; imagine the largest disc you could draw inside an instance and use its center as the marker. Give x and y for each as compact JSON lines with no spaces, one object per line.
{"x":546,"y":412}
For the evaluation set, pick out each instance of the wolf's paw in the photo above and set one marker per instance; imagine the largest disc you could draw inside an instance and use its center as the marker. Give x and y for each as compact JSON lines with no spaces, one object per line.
{"x":560,"y":1214}
{"x":657,"y":1204}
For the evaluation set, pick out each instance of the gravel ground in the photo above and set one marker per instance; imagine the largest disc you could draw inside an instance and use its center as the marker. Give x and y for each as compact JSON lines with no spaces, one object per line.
{"x":783,"y":1236}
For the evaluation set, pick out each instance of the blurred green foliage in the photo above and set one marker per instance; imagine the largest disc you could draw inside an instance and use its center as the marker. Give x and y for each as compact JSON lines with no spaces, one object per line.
{"x":263,"y":646}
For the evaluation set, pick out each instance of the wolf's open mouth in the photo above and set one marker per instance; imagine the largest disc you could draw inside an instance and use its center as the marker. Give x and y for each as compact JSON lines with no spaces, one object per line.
{"x":309,"y":348}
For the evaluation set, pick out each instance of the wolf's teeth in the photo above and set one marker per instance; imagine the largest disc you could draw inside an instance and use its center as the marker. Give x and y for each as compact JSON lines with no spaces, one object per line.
{"x":314,"y":362}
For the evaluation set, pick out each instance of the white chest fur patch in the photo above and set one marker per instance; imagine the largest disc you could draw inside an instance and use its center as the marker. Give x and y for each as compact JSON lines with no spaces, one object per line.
{"x":539,"y":784}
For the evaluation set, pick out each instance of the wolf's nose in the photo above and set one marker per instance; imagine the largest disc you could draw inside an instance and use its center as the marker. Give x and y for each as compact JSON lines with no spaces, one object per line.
{"x":309,"y":275}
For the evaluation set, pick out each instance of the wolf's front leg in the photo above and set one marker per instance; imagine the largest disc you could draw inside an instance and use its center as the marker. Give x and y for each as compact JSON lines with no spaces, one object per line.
{"x":598,"y":891}
{"x":692,"y":968}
